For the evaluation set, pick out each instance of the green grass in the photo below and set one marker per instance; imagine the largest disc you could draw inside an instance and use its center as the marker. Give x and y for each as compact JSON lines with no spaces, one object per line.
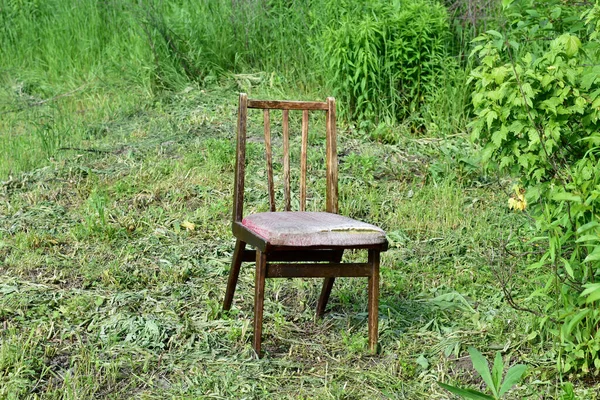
{"x":110,"y":143}
{"x":70,"y":73}
{"x":106,"y":295}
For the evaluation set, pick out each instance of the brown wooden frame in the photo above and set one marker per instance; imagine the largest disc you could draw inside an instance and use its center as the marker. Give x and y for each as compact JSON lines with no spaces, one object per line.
{"x":286,"y":261}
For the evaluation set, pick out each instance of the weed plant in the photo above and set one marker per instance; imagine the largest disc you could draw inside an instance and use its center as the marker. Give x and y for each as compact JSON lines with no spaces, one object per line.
{"x":152,"y":44}
{"x":383,"y":58}
{"x":69,"y":71}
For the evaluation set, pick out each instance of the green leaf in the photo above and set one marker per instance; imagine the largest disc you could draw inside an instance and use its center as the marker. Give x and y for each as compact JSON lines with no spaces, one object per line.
{"x":6,"y":289}
{"x":491,"y":116}
{"x":524,"y":160}
{"x":481,"y":366}
{"x":592,"y":292}
{"x":594,"y":255}
{"x":512,"y":377}
{"x":588,"y":226}
{"x":466,"y":393}
{"x":500,"y":135}
{"x":572,"y":45}
{"x":506,"y":161}
{"x":499,"y":74}
{"x":566,"y":196}
{"x":506,"y":4}
{"x":552,"y":103}
{"x":588,"y":80}
{"x":568,"y":268}
{"x":452,"y":300}
{"x":567,"y":328}
{"x":579,"y":106}
{"x":516,"y":127}
{"x":497,"y":370}
{"x":593,"y":238}
{"x":487,"y":152}
{"x":528,"y":90}
{"x":422,"y":361}
{"x":495,"y":33}
{"x":546,"y":80}
{"x":534,"y":137}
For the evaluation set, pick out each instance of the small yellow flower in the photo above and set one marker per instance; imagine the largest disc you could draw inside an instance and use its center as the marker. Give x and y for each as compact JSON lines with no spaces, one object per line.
{"x":517,"y":201}
{"x":190,"y":226}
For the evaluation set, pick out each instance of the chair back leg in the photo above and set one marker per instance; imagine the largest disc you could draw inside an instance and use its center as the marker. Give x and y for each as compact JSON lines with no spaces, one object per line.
{"x":327,"y":286}
{"x":373,"y":299}
{"x":259,"y":298}
{"x":324,"y":297}
{"x":234,"y":272}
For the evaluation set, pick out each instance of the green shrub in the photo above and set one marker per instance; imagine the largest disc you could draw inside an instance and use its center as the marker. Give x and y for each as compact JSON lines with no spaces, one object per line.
{"x":537,"y":106}
{"x":384,"y":58}
{"x":469,"y":18}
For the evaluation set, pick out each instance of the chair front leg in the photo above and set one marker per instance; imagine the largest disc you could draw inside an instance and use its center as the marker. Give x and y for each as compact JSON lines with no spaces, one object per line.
{"x":373,"y":299}
{"x":259,"y":298}
{"x":234,"y":272}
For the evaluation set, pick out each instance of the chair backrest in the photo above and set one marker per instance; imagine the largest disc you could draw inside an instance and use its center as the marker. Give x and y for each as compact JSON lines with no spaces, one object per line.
{"x":331,"y":152}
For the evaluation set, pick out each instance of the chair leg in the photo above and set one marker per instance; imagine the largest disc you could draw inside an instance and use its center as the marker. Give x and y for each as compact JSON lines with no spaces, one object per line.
{"x":327,"y":286}
{"x":325,"y":292}
{"x":259,"y":298}
{"x":234,"y":272}
{"x":373,"y":299}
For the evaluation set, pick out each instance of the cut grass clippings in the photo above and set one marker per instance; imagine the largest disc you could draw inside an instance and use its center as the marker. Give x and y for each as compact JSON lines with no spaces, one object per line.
{"x":113,"y":267}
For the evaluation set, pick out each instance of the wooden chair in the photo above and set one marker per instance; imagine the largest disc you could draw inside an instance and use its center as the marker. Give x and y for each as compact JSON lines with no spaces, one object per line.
{"x":299,"y":244}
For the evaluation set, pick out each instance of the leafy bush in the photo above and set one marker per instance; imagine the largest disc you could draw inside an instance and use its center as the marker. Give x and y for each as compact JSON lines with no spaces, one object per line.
{"x":470,"y":18}
{"x":384,"y":58}
{"x":537,"y":106}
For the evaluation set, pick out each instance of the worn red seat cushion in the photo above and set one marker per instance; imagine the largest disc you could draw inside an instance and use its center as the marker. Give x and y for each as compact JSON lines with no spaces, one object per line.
{"x":312,"y":229}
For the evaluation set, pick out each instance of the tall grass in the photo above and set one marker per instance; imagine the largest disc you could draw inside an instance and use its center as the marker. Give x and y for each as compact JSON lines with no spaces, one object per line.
{"x":47,"y":42}
{"x":67,"y":65}
{"x":51,"y":44}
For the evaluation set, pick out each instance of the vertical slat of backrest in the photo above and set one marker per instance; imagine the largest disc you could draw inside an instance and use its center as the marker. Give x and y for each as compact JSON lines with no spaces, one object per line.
{"x":269,"y":151}
{"x":238,"y":190}
{"x":286,"y":160}
{"x":303,"y":156}
{"x":331,"y":154}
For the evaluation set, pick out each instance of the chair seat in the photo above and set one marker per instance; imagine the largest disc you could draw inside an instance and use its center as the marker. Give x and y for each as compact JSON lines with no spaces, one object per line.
{"x":303,"y":228}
